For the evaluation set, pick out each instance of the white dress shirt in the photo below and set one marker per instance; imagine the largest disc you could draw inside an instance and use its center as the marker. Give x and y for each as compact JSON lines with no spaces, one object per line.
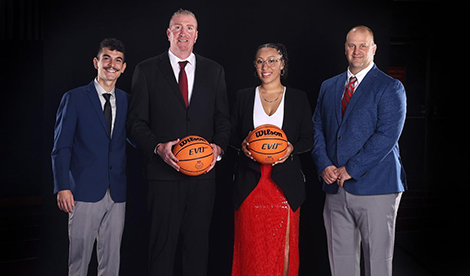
{"x":190,"y":70}
{"x":112,"y":101}
{"x":260,"y":117}
{"x":359,"y":76}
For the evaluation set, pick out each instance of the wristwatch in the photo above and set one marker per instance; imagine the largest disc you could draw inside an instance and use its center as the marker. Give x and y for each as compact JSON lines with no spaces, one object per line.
{"x":220,"y":156}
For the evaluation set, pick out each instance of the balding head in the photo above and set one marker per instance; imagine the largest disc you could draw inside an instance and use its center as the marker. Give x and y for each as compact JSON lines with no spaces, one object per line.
{"x":361,"y":29}
{"x":359,"y":48}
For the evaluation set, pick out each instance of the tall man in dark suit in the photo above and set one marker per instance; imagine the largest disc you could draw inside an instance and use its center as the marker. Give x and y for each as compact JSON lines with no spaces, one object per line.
{"x":358,"y":120}
{"x":89,"y":163}
{"x":175,"y":94}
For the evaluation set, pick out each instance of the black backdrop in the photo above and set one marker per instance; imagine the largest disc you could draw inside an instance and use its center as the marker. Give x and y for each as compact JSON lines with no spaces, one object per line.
{"x":229,"y":33}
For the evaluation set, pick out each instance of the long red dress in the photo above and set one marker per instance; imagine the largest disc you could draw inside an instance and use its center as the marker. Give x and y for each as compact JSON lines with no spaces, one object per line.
{"x":260,"y":231}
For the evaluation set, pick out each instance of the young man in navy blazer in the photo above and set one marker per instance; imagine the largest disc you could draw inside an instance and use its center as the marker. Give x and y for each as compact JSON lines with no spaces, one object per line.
{"x":358,"y":120}
{"x":89,"y":163}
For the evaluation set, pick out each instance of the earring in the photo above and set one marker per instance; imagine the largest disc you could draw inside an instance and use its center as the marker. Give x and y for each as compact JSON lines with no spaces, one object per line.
{"x":282,"y":72}
{"x":256,"y":74}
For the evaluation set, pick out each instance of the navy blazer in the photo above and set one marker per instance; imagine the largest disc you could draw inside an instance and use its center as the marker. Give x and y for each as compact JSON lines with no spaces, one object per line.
{"x":365,"y":140}
{"x":85,"y":159}
{"x":297,"y":126}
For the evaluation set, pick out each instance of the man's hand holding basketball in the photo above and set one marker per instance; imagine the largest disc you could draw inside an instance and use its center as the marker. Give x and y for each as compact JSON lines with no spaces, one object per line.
{"x":164,"y":150}
{"x":216,"y":150}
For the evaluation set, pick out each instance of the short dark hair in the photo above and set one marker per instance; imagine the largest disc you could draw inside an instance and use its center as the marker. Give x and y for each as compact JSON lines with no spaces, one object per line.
{"x":182,"y":11}
{"x":112,"y":44}
{"x":281,"y":49}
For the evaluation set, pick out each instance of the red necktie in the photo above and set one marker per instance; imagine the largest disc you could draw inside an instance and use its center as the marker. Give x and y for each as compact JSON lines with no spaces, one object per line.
{"x":348,"y":92}
{"x":183,"y":81}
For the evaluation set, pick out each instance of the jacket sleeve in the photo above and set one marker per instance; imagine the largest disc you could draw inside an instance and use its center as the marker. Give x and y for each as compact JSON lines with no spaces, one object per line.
{"x":305,"y":141}
{"x":235,"y":138}
{"x":319,"y":154}
{"x":64,"y":133}
{"x":221,"y":114}
{"x":138,"y":116}
{"x":391,"y":119}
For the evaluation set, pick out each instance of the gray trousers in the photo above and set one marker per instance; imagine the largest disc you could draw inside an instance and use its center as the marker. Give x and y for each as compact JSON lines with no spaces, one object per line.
{"x":102,"y":221}
{"x":352,"y":219}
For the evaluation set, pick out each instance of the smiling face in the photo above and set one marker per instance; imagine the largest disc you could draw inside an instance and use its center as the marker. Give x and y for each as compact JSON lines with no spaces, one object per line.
{"x":269,"y":63}
{"x":359,"y":49}
{"x":182,"y":34}
{"x":110,"y":65}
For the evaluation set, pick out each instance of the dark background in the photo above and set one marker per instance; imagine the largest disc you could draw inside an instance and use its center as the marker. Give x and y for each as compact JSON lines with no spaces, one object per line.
{"x":48,"y":47}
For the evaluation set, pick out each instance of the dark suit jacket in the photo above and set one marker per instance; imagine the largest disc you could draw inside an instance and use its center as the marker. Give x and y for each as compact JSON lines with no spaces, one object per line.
{"x":365,"y":140}
{"x":158,"y":114}
{"x":84,"y":158}
{"x":298,"y":127}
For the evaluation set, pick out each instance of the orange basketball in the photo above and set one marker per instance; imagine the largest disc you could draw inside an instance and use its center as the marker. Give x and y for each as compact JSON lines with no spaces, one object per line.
{"x":267,"y":143}
{"x":194,"y":154}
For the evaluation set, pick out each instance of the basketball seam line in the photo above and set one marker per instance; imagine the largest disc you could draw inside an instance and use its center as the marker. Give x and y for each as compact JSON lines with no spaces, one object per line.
{"x":196,"y":158}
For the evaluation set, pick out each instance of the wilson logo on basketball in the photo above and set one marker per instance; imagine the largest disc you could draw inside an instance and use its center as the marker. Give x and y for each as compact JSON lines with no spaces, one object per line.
{"x":268,"y":132}
{"x":189,"y":139}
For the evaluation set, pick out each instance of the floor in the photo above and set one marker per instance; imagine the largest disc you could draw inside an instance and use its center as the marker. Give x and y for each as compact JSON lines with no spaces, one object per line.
{"x":420,"y":250}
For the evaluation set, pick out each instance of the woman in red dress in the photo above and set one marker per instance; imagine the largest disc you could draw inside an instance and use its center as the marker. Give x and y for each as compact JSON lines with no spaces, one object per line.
{"x":267,"y":198}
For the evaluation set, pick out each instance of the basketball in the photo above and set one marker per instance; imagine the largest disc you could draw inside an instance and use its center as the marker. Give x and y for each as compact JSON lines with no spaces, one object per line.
{"x":267,"y":143}
{"x":194,"y":154}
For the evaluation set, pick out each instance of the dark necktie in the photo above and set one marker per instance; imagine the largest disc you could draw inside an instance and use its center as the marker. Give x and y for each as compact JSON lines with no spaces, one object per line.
{"x":183,"y":81}
{"x":107,"y":111}
{"x":348,"y":92}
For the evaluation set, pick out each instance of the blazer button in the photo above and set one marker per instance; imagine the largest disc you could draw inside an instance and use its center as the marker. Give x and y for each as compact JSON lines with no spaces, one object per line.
{"x":110,"y":167}
{"x":340,"y":137}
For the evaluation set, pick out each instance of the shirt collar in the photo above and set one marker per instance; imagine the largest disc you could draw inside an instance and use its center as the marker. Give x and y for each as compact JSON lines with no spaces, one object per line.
{"x":360,"y":76}
{"x":101,"y":90}
{"x":174,"y":59}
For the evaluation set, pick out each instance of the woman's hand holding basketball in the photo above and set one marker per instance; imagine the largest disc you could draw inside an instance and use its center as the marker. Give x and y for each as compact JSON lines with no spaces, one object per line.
{"x":166,"y":153}
{"x":245,"y":146}
{"x":289,"y":150}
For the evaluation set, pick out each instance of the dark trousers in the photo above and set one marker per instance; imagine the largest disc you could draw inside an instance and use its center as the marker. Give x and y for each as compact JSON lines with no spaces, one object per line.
{"x":180,"y":210}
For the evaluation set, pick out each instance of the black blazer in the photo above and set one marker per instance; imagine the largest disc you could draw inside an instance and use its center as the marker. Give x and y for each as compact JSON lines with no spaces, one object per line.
{"x":158,"y":114}
{"x":298,"y":127}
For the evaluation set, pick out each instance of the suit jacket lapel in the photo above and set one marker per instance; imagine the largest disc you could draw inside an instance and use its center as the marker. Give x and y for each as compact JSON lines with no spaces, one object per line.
{"x":340,"y":86}
{"x":248,"y":114}
{"x":198,"y":76}
{"x":360,"y":90}
{"x":120,"y":110}
{"x":165,"y":67}
{"x":95,"y":101}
